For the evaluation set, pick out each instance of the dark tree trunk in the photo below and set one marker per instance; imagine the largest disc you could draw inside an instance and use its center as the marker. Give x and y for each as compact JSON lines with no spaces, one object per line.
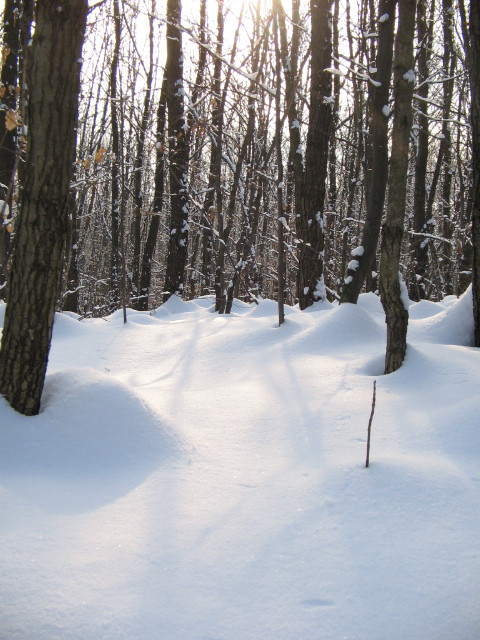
{"x":139,"y":171}
{"x":290,"y":69}
{"x":178,"y":155}
{"x":280,"y":201}
{"x":42,"y":227}
{"x":394,"y":307}
{"x":71,"y":296}
{"x":420,"y":242}
{"x":331,"y":218}
{"x":215,"y":159}
{"x":246,"y":239}
{"x":151,"y":241}
{"x":448,"y":226}
{"x":378,"y":132}
{"x":311,"y":285}
{"x":474,"y":67}
{"x":116,"y":151}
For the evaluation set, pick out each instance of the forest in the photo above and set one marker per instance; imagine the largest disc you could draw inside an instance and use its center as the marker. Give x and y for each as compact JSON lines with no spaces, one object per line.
{"x":245,"y":152}
{"x":240,"y":320}
{"x":300,"y":154}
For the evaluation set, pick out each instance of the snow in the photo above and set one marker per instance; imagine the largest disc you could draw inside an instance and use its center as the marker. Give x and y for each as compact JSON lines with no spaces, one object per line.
{"x":194,"y":476}
{"x":353,"y":265}
{"x":386,"y":110}
{"x":358,"y":251}
{"x":409,"y":75}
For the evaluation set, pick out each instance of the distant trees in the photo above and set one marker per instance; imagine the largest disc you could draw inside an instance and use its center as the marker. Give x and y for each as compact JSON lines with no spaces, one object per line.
{"x":41,"y":229}
{"x":9,"y":90}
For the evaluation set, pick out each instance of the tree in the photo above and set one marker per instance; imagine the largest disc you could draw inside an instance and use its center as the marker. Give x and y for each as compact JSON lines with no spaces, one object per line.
{"x":393,"y":304}
{"x":417,"y":289}
{"x":138,"y":196}
{"x":360,"y":267}
{"x":474,"y":68}
{"x":159,"y":189}
{"x":177,"y":154}
{"x":311,"y":285}
{"x":117,"y":200}
{"x":42,"y":227}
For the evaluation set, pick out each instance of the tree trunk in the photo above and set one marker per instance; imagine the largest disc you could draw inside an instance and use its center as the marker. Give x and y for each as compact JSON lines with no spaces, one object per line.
{"x":178,"y":155}
{"x":116,"y":151}
{"x":378,"y":131}
{"x":420,"y":243}
{"x":311,"y":285}
{"x":474,"y":68}
{"x":42,"y":227}
{"x":215,"y":159}
{"x":151,"y":241}
{"x":280,"y":201}
{"x":139,"y":171}
{"x":394,"y":307}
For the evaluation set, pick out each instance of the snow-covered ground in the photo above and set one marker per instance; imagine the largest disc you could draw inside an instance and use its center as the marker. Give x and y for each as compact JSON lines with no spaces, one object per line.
{"x":201,"y":477}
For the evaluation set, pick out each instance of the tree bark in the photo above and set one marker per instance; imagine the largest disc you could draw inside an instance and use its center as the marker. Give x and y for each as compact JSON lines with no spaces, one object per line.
{"x":474,"y":68}
{"x":395,"y":310}
{"x":178,"y":155}
{"x":151,"y":241}
{"x":280,"y":201}
{"x":42,"y":227}
{"x":214,"y":177}
{"x":378,"y":131}
{"x":116,"y":151}
{"x":417,"y":289}
{"x":139,"y":171}
{"x":311,"y":287}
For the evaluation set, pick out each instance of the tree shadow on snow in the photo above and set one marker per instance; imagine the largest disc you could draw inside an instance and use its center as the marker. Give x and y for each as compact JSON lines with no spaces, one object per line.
{"x":93,"y":441}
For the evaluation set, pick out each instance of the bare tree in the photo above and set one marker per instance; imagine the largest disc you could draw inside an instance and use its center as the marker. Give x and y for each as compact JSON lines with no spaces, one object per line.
{"x":390,"y":290}
{"x":311,"y":285}
{"x":474,"y":68}
{"x":177,"y":154}
{"x":360,"y":267}
{"x":42,"y":227}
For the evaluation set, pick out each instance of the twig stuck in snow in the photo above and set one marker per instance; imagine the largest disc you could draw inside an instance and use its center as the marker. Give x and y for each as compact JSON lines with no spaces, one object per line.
{"x":370,"y":423}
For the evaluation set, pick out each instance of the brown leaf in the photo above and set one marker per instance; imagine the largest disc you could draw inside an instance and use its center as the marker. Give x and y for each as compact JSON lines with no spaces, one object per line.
{"x":99,"y":155}
{"x":5,"y":53}
{"x":12,"y":120}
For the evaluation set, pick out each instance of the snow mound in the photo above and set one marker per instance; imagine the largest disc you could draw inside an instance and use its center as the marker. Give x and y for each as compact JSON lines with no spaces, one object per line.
{"x":347,"y":327}
{"x":92,"y":430}
{"x":68,"y":325}
{"x":371,"y":303}
{"x":454,"y":325}
{"x":175,"y":305}
{"x":267,"y":309}
{"x":423,"y":309}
